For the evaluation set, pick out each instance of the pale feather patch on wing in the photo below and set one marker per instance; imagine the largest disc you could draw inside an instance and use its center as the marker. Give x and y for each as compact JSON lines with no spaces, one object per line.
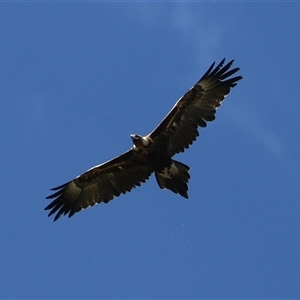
{"x":88,"y":197}
{"x":175,"y":124}
{"x":196,"y":107}
{"x":145,"y":141}
{"x":72,"y":190}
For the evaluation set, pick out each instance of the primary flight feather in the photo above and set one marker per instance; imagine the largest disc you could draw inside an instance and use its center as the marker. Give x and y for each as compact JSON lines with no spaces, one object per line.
{"x":151,"y":153}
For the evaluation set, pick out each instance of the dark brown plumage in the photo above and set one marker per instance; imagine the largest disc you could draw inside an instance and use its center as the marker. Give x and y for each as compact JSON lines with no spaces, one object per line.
{"x":152,"y":153}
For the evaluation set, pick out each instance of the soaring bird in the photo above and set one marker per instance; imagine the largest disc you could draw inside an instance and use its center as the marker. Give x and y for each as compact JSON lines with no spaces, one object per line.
{"x":153,"y":152}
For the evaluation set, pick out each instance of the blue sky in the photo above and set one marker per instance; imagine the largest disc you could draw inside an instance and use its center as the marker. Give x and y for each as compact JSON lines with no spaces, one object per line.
{"x":78,"y":78}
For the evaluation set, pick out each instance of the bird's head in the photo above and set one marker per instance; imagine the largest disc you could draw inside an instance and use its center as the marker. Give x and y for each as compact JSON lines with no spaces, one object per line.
{"x":139,"y":141}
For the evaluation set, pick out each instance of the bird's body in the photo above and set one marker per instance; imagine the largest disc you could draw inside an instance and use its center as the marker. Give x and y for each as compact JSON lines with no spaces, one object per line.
{"x":169,"y":173}
{"x":152,"y":153}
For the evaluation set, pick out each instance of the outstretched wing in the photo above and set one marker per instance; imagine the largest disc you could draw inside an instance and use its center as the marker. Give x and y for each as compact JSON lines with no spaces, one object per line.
{"x":99,"y":184}
{"x":180,"y":127}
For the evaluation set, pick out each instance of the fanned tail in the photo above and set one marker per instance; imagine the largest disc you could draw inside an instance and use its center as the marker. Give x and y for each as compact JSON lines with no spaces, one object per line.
{"x":175,"y":178}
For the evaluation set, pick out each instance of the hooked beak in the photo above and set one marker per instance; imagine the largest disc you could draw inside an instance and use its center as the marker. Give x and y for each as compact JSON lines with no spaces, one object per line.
{"x":134,"y":137}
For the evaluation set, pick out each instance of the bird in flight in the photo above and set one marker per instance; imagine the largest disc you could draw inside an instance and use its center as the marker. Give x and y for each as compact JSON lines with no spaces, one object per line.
{"x":151,"y":153}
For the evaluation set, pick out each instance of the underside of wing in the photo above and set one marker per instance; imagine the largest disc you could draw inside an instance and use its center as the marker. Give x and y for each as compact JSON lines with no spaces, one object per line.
{"x":196,"y":107}
{"x":100,"y":184}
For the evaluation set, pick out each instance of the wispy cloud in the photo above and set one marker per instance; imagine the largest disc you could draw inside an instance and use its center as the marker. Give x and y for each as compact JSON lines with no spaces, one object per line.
{"x":203,"y":36}
{"x":251,"y":123}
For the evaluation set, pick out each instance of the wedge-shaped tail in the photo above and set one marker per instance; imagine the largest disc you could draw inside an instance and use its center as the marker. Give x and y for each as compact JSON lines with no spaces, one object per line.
{"x":174,"y":178}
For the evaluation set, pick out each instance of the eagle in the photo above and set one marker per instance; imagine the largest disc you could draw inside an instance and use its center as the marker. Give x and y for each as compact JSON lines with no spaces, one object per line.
{"x":151,"y":153}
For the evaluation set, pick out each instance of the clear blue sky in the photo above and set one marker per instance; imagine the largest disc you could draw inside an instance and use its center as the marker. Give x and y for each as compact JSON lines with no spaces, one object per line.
{"x":78,"y":78}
